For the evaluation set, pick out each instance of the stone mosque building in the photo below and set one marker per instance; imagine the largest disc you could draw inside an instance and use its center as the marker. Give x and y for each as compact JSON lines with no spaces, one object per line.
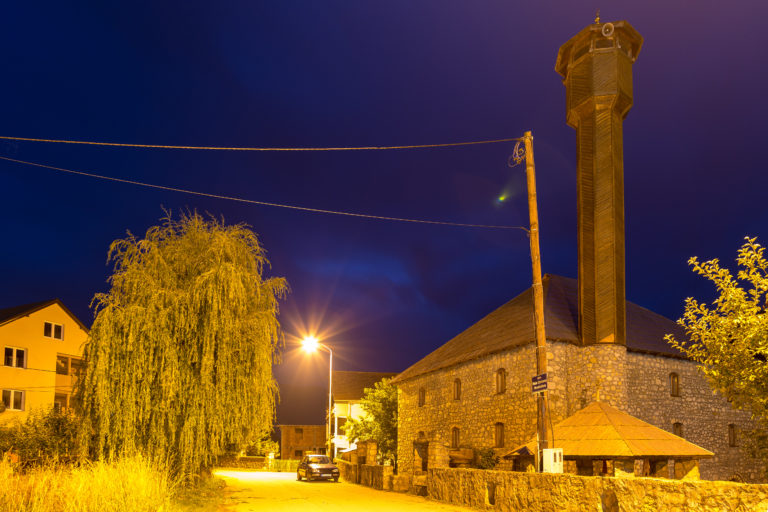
{"x":475,"y":391}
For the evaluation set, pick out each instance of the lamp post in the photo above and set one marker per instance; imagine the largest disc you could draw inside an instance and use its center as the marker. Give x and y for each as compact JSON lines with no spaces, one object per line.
{"x":311,"y":344}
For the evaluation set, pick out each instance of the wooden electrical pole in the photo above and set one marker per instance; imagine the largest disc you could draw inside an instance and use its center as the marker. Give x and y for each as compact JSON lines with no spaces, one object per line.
{"x":544,"y":432}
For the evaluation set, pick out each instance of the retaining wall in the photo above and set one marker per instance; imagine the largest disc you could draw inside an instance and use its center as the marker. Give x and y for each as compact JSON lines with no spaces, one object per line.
{"x":512,"y":491}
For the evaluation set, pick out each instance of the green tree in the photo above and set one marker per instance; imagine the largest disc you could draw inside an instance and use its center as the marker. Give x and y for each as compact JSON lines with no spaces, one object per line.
{"x":179,"y":358}
{"x":380,"y":420}
{"x":729,"y":338}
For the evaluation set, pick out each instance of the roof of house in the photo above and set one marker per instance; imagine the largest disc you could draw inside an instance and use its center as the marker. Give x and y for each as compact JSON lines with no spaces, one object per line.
{"x":511,"y":325}
{"x":10,"y":314}
{"x":351,"y":385}
{"x":602,"y":431}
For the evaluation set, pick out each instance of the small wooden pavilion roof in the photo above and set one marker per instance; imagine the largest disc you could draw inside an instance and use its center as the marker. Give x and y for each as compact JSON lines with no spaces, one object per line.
{"x":601,"y":431}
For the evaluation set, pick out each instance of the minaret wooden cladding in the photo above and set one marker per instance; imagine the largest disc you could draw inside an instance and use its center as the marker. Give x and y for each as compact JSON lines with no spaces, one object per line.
{"x":596,"y":65}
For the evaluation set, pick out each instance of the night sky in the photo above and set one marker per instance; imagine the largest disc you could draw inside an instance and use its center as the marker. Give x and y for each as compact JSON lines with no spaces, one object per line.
{"x":339,"y":73}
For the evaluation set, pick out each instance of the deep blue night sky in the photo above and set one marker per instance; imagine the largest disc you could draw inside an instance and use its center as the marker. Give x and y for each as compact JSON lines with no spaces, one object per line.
{"x":337,"y":73}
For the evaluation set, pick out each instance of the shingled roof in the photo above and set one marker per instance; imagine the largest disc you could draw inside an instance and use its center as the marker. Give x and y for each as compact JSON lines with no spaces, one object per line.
{"x":9,"y":314}
{"x":511,"y":326}
{"x":602,"y":431}
{"x":351,"y":385}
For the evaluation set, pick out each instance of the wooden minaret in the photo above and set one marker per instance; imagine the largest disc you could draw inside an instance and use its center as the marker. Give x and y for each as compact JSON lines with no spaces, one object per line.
{"x":596,"y":65}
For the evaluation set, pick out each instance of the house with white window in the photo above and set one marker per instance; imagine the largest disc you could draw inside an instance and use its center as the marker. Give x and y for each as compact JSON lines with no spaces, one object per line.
{"x":42,"y":346}
{"x":348,"y":391}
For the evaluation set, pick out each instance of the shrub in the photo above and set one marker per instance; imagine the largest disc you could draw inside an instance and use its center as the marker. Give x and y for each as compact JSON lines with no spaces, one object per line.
{"x":487,"y":458}
{"x":45,"y":437}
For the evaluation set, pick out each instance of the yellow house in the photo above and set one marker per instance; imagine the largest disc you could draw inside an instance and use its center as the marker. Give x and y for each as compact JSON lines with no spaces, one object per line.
{"x":42,"y":348}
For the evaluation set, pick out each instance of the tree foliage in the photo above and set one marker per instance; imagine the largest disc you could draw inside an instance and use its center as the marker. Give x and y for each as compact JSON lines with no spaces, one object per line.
{"x":179,"y":358}
{"x":380,"y":420}
{"x":729,"y":338}
{"x":46,"y":436}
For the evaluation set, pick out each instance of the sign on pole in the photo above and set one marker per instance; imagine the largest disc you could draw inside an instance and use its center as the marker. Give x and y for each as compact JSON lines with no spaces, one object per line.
{"x":539,"y":383}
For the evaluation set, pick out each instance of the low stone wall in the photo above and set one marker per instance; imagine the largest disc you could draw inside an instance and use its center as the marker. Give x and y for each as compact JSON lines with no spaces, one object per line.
{"x":376,"y":476}
{"x":513,"y":491}
{"x":370,"y":475}
{"x":245,"y":462}
{"x":347,"y":471}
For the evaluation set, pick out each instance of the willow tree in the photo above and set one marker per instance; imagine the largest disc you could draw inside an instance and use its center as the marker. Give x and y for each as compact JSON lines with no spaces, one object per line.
{"x":179,"y":358}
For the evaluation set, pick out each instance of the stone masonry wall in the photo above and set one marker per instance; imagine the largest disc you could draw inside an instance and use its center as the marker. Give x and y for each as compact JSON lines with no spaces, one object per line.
{"x":537,"y":492}
{"x":573,"y":374}
{"x":635,"y":383}
{"x":705,"y":416}
{"x":479,"y":408}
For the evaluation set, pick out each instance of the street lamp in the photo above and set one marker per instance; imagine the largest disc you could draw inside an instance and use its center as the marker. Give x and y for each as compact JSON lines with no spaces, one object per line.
{"x":311,"y":344}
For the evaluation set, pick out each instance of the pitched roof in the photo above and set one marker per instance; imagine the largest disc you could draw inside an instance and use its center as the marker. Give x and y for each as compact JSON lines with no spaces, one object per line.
{"x":511,"y":325}
{"x":10,"y":314}
{"x":351,"y":385}
{"x":602,"y":431}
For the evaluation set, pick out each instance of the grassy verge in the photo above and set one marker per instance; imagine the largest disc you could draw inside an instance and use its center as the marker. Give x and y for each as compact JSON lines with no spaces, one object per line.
{"x":124,"y":486}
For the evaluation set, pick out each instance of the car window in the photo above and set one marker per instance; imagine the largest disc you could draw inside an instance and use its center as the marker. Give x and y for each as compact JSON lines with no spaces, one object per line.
{"x":320,"y":459}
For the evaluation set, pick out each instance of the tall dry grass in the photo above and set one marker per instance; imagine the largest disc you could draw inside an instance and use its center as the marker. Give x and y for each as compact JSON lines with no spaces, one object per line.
{"x":127,"y":485}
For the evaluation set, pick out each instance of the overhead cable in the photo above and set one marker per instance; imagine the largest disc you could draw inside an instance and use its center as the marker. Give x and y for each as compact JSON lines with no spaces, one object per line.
{"x":221,"y":148}
{"x":262,"y":203}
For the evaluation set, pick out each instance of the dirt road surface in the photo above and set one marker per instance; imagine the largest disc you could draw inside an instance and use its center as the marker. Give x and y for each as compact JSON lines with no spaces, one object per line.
{"x":280,"y":492}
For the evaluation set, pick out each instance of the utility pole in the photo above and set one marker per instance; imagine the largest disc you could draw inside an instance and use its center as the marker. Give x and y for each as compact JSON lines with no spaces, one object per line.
{"x":544,"y":433}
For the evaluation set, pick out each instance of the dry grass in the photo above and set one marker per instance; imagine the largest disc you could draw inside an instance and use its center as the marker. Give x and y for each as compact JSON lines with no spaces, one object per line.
{"x":128,"y":485}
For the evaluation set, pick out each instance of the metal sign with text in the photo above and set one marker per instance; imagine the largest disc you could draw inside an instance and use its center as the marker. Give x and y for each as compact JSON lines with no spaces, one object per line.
{"x":539,"y":383}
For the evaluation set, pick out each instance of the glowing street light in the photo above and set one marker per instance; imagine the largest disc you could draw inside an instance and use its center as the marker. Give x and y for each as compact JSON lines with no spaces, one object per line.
{"x":310,"y":344}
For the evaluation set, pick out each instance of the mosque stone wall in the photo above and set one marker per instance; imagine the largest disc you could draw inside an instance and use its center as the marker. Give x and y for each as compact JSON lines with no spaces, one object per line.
{"x":633,"y":382}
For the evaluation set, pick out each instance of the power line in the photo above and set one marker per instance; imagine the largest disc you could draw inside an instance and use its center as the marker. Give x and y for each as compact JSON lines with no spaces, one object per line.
{"x":262,"y":203}
{"x":220,"y":148}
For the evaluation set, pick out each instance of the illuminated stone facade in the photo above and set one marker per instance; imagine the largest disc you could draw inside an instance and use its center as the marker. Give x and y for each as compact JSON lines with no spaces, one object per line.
{"x":633,"y":382}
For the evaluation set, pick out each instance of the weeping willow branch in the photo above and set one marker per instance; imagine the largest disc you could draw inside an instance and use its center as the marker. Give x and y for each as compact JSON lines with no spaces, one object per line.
{"x":179,"y":358}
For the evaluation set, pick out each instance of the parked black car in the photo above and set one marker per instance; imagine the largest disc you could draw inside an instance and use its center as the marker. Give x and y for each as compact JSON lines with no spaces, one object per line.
{"x":317,"y":467}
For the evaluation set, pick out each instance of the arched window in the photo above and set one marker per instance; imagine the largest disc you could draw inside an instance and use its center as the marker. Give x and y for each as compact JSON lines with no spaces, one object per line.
{"x":422,"y":397}
{"x":674,"y":384}
{"x":677,"y":429}
{"x":457,"y":389}
{"x":501,"y":381}
{"x":731,"y":435}
{"x":498,"y":436}
{"x":455,"y":437}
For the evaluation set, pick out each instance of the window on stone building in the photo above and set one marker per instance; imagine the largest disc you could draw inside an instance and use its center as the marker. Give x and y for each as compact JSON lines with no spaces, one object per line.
{"x":731,"y":435}
{"x":299,"y":432}
{"x":455,"y":437}
{"x":501,"y":381}
{"x":498,"y":437}
{"x":677,"y":429}
{"x":422,"y":396}
{"x":457,"y":389}
{"x":674,"y":384}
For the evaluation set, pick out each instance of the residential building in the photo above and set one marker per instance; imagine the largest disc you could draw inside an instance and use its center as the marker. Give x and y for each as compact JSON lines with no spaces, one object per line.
{"x":42,"y":346}
{"x":348,"y":390}
{"x":299,"y":440}
{"x":475,"y":391}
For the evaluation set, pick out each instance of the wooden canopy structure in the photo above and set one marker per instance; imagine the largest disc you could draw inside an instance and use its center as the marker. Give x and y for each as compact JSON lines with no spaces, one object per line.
{"x":600,"y":432}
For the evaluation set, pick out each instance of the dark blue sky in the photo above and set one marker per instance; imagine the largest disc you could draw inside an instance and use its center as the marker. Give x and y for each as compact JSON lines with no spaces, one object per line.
{"x":338,"y":73}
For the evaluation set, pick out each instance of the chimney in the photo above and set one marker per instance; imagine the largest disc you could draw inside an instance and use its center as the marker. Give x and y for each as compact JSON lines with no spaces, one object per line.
{"x":596,"y":66}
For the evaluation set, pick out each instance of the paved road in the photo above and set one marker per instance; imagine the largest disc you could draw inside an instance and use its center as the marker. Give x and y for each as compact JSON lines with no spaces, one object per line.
{"x":281,"y":492}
